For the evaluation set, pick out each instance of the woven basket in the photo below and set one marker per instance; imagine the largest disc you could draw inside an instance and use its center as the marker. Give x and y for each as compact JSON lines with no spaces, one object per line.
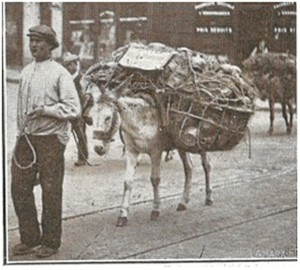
{"x":197,"y":125}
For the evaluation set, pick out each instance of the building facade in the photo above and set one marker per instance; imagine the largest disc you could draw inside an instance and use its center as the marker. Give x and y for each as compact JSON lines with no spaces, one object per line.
{"x":94,"y":29}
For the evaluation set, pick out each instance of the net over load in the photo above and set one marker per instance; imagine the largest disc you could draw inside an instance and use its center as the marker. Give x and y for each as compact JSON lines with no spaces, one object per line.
{"x":205,"y":104}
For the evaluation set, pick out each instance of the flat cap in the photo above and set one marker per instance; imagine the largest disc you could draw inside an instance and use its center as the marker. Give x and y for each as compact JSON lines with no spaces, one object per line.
{"x":45,"y":32}
{"x":69,"y":57}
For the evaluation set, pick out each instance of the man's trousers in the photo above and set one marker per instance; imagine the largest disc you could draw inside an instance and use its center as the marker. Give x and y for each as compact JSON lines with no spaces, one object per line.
{"x":49,"y":169}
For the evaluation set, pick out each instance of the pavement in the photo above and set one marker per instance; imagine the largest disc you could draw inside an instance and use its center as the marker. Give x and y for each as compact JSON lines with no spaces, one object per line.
{"x":246,"y":223}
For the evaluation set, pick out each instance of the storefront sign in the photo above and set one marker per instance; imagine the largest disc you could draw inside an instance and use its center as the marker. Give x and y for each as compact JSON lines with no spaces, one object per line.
{"x":214,"y":30}
{"x":285,"y":25}
{"x":284,"y":30}
{"x":214,"y":13}
{"x":202,"y":6}
{"x":286,"y":13}
{"x":215,"y":9}
{"x":283,"y":4}
{"x":222,"y":4}
{"x":133,"y":19}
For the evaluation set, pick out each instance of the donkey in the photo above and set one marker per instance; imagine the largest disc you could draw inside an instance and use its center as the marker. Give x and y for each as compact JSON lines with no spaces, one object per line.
{"x":141,"y":127}
{"x":275,"y":83}
{"x":278,"y":91}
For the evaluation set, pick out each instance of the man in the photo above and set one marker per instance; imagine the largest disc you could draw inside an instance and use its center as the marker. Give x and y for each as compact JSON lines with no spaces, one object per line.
{"x":261,"y":48}
{"x":71,"y":63}
{"x":47,"y":100}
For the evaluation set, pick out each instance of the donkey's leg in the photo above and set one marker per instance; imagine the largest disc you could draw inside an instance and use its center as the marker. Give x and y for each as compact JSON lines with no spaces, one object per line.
{"x":291,"y":112}
{"x":206,"y":168}
{"x":271,"y":108}
{"x":284,"y":114}
{"x":155,"y":180}
{"x":131,"y":161}
{"x":187,"y":164}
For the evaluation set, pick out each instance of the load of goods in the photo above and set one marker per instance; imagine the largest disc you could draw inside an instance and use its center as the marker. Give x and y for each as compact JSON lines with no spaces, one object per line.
{"x":263,"y":68}
{"x":205,"y":103}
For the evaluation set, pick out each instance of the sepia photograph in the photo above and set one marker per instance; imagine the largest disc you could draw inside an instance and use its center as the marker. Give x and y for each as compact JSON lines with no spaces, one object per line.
{"x":149,"y":132}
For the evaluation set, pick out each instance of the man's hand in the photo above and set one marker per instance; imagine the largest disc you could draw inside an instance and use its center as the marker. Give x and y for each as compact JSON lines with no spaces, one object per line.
{"x":37,"y":112}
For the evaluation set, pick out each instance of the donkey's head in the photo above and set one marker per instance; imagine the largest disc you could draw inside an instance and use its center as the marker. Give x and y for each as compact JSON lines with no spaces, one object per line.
{"x":106,"y":116}
{"x":251,"y":63}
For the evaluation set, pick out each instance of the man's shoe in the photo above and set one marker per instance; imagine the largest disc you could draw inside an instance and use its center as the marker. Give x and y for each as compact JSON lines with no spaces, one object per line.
{"x":22,"y":249}
{"x":44,"y":252}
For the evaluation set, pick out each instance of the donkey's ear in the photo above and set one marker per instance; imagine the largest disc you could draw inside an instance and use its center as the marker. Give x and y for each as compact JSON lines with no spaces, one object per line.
{"x":123,"y":88}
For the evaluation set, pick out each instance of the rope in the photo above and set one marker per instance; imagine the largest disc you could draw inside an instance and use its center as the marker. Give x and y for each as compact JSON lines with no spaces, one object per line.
{"x":33,"y":153}
{"x":34,"y":159}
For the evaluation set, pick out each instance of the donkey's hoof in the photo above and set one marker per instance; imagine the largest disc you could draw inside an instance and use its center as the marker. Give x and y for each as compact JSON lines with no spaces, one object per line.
{"x":181,"y":207}
{"x":288,"y":131}
{"x":121,"y":222}
{"x":154,"y":215}
{"x":209,"y":202}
